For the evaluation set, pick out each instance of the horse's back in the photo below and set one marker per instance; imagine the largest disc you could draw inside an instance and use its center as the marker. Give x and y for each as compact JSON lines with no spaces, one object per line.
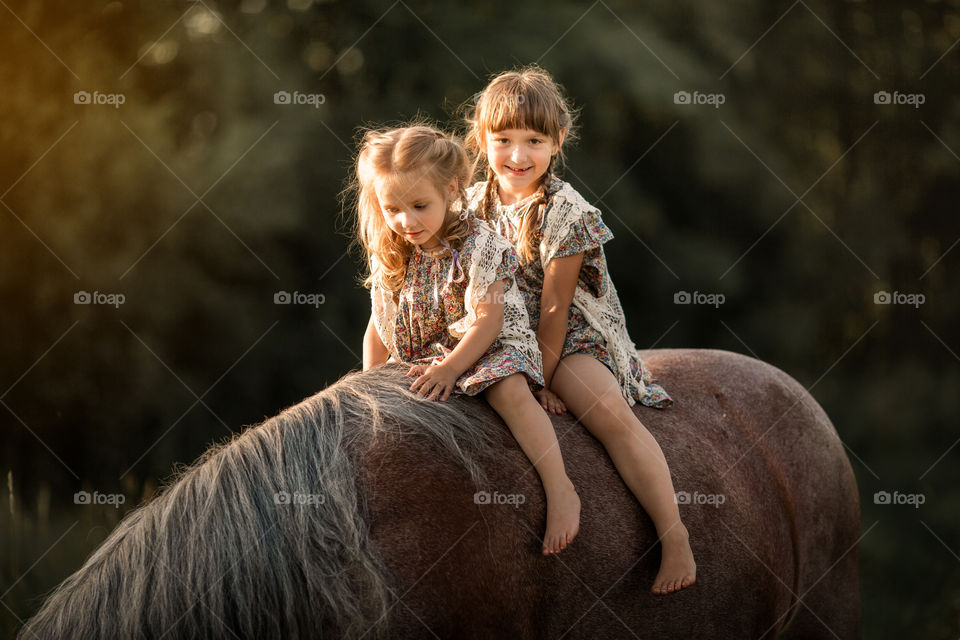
{"x":765,"y":491}
{"x":762,"y":442}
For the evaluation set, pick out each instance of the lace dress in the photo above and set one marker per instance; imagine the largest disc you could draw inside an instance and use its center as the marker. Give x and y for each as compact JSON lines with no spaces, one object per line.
{"x":437,"y":304}
{"x":596,"y":326}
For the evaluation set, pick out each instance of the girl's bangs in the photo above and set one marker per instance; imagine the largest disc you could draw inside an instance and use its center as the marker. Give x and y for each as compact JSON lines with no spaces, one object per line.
{"x":503,"y":111}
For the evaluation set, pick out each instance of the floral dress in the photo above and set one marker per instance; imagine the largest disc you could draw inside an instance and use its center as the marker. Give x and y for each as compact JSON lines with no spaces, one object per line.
{"x":437,"y":304}
{"x":596,"y":325}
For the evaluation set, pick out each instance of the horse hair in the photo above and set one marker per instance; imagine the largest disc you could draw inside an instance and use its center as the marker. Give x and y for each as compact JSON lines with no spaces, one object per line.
{"x":213,"y":555}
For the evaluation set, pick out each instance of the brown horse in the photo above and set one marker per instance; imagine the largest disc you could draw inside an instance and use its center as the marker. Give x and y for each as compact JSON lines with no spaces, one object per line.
{"x":365,"y":511}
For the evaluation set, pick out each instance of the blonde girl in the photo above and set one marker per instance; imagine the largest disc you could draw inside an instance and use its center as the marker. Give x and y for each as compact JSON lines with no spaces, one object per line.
{"x":445,"y":299}
{"x":590,"y":365}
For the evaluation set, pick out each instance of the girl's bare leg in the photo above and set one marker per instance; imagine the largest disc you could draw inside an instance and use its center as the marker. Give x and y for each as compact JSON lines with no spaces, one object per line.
{"x":592,"y":393}
{"x":530,"y":425}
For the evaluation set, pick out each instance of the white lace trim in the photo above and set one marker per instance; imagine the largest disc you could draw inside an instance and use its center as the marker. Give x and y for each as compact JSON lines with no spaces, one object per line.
{"x":384,"y":312}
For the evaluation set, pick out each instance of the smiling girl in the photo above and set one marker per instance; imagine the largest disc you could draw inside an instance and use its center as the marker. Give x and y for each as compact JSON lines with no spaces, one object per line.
{"x":445,"y":299}
{"x":590,"y":364}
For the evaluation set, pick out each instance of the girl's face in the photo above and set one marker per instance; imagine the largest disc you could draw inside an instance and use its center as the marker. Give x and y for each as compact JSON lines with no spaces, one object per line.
{"x":519,"y":158}
{"x":414,"y":209}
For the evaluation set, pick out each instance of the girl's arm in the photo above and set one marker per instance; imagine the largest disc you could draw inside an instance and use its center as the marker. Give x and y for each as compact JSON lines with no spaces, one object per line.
{"x":374,"y":351}
{"x":439,"y":380}
{"x":559,"y":284}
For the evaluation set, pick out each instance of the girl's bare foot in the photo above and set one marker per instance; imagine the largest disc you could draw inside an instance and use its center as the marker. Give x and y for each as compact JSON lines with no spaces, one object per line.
{"x":563,"y":518}
{"x":677,"y":568}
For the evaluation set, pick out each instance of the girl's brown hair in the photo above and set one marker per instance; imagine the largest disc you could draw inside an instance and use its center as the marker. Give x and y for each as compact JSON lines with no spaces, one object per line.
{"x":528,"y":98}
{"x":409,"y":152}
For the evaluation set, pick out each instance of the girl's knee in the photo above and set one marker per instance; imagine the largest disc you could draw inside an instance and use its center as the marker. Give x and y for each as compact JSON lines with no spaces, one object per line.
{"x":611,"y":417}
{"x":512,"y":389}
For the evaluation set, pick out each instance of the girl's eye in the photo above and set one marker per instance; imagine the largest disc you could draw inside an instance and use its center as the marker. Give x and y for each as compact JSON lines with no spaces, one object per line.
{"x":536,"y":141}
{"x":419,"y":206}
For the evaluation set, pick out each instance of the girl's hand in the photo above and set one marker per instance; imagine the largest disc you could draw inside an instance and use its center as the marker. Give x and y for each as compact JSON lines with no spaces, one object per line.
{"x":436,"y":382}
{"x":550,"y":401}
{"x":416,"y":370}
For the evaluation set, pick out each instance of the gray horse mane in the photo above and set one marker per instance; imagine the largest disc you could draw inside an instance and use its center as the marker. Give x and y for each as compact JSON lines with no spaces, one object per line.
{"x":214,"y":555}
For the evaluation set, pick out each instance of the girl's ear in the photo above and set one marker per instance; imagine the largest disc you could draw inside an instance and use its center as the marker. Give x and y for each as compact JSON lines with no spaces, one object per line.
{"x":563,"y":132}
{"x":453,"y":189}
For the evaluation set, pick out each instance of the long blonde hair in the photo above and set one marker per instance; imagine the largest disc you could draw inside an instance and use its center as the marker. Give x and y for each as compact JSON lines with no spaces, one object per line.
{"x":418,"y":150}
{"x":528,"y":98}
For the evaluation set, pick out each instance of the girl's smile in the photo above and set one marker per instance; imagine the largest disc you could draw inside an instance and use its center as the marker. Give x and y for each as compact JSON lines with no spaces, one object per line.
{"x":519,"y":158}
{"x":518,"y":172}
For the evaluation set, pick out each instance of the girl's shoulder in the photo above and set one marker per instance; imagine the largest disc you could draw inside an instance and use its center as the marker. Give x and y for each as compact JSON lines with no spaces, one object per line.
{"x":484,"y":247}
{"x":570,"y":224}
{"x":475,"y":194}
{"x":565,"y":200}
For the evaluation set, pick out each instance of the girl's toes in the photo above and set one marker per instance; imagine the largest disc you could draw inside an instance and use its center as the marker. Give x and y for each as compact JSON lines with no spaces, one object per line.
{"x":553,"y":546}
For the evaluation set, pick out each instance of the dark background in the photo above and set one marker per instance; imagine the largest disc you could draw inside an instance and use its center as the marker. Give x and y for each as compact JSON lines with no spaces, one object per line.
{"x":199,"y":198}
